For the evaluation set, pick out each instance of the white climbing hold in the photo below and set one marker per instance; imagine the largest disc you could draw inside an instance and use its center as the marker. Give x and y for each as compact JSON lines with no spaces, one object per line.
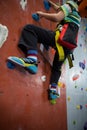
{"x":43,"y":78}
{"x":23,"y":4}
{"x":3,"y":34}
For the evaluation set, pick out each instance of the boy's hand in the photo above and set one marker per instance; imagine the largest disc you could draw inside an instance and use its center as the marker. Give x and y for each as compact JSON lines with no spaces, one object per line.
{"x":50,"y":2}
{"x":40,"y":13}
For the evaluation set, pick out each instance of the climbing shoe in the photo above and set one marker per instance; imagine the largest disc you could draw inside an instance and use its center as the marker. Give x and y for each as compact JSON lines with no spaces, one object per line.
{"x":26,"y":63}
{"x":52,"y":95}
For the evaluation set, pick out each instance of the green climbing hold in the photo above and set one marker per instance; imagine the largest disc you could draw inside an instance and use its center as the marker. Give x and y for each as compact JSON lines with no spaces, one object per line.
{"x":53,"y":102}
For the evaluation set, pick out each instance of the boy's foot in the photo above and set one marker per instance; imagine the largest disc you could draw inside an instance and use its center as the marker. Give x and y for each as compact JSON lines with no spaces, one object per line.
{"x":27,"y":63}
{"x":52,"y":95}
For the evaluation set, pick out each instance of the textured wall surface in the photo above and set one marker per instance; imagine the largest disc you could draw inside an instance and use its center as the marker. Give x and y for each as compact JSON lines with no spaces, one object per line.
{"x":76,"y":84}
{"x":24,"y":102}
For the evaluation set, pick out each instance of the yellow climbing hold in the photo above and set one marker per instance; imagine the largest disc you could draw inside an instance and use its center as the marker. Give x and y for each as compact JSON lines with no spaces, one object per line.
{"x":78,"y":106}
{"x":68,"y":98}
{"x":86,"y":89}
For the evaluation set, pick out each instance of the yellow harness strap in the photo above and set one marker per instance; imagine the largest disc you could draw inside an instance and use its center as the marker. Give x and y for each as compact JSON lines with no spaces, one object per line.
{"x":61,"y":51}
{"x":70,"y":61}
{"x":59,"y":47}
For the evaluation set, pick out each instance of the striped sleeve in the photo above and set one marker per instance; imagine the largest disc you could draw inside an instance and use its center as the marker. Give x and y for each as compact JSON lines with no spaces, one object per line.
{"x":66,"y":9}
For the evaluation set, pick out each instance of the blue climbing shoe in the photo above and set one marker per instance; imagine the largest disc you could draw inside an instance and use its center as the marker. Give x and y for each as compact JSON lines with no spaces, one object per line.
{"x":26,"y":63}
{"x":52,"y":94}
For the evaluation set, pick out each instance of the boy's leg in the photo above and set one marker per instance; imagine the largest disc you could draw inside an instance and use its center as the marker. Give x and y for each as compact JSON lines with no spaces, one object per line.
{"x":53,"y":93}
{"x":31,"y":35}
{"x":55,"y":75}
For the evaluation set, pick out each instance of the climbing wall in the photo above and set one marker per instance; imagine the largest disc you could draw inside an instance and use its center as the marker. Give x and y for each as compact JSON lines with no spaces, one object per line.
{"x":83,"y":9}
{"x":77,"y":84}
{"x":24,"y":102}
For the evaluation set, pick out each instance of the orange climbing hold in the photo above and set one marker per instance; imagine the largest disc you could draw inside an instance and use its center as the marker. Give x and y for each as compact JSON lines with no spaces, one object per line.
{"x":75,"y":77}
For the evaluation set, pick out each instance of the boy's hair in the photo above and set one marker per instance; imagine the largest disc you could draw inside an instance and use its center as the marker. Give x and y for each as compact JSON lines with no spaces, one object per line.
{"x":78,"y":2}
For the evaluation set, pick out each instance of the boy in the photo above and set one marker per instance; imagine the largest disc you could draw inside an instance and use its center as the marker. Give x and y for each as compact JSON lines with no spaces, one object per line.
{"x":31,"y":35}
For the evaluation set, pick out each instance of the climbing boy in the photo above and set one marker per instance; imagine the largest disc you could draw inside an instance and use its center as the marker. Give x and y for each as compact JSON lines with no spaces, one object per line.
{"x":32,"y":35}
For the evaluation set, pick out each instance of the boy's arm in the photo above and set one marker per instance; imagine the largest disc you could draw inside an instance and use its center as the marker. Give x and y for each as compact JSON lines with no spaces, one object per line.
{"x":54,"y":6}
{"x":55,"y":17}
{"x":64,"y":11}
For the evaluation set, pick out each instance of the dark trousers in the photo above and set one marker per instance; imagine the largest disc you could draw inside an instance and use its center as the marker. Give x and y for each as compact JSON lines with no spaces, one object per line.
{"x":32,"y":35}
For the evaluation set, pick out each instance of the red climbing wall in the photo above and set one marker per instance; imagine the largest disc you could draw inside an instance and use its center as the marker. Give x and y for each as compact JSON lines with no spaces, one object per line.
{"x":24,"y":103}
{"x":83,"y":9}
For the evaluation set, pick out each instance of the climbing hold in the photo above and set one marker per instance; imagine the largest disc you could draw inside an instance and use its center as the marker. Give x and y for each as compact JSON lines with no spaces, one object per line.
{"x":52,"y":51}
{"x":35,"y":17}
{"x":85,"y":126}
{"x":10,"y":65}
{"x":43,"y":78}
{"x":61,"y":85}
{"x":47,"y":5}
{"x":53,"y":102}
{"x":23,"y":4}
{"x":79,"y":107}
{"x":81,"y":72}
{"x":68,"y":98}
{"x":3,"y":34}
{"x":86,"y":26}
{"x":82,"y":65}
{"x":74,"y":122}
{"x":82,"y":89}
{"x":75,"y":77}
{"x":75,"y":86}
{"x":86,"y":89}
{"x":86,"y":105}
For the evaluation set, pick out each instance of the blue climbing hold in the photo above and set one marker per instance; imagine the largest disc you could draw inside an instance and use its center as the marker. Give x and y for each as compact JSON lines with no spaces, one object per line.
{"x":47,"y":5}
{"x":35,"y":17}
{"x":10,"y":65}
{"x":82,"y":65}
{"x":85,"y":126}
